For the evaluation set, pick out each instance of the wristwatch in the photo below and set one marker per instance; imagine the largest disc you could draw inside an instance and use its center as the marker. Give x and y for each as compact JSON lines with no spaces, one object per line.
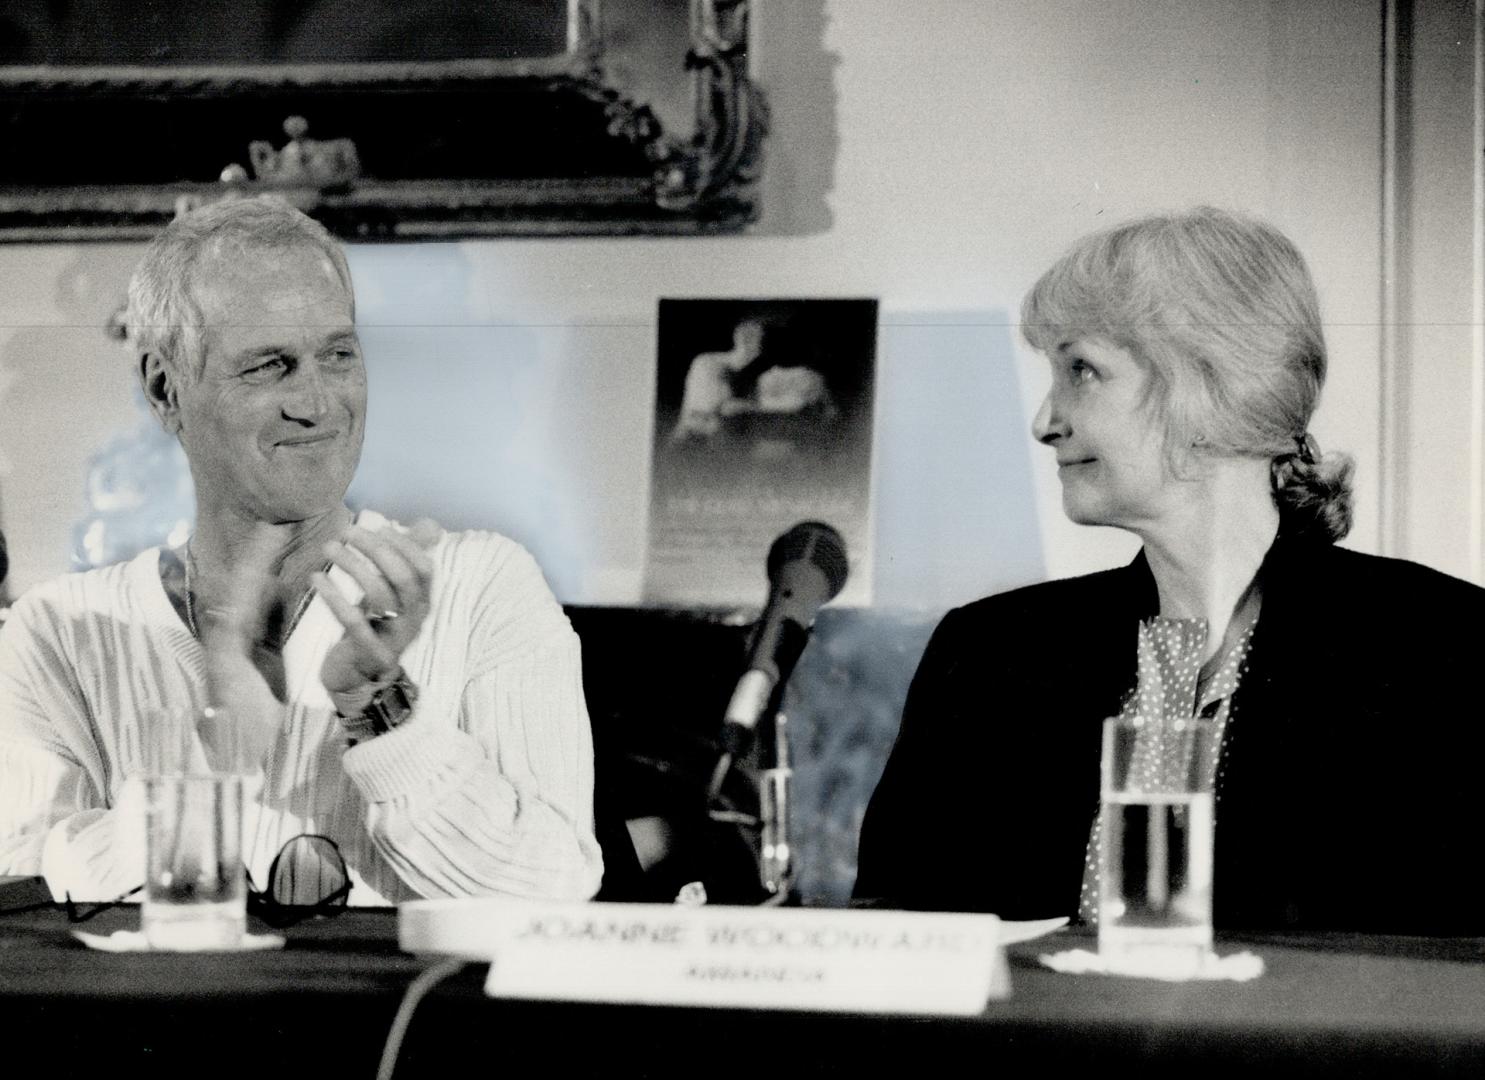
{"x":390,"y":707}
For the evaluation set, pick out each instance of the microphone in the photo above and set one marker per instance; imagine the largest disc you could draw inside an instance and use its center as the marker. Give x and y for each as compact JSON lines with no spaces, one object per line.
{"x":806,"y":568}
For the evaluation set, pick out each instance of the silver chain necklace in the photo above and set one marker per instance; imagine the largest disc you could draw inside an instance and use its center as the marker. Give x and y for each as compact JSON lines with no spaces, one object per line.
{"x":299,"y":611}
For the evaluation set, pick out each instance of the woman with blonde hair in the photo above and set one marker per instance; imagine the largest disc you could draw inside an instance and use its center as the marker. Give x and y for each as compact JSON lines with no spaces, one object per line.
{"x":1187,"y":358}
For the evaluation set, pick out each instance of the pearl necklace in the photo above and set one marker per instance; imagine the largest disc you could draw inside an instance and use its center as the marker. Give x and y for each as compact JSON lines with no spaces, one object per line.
{"x":299,"y":611}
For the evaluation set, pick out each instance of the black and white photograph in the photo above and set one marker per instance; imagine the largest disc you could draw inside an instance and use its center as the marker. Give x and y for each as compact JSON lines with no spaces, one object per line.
{"x":709,"y":538}
{"x":763,"y":418}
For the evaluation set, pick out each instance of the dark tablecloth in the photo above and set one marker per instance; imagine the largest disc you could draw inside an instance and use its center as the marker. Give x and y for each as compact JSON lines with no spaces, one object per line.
{"x":1341,"y":1006}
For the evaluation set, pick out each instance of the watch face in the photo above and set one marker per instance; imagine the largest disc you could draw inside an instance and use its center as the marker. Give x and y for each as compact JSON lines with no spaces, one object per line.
{"x":392,"y":705}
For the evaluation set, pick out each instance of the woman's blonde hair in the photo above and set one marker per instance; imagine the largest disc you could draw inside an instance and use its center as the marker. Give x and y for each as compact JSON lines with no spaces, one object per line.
{"x":1222,"y":310}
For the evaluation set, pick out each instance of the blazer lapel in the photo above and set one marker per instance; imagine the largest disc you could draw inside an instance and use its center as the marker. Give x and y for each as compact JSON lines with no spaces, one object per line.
{"x":1266,"y":782}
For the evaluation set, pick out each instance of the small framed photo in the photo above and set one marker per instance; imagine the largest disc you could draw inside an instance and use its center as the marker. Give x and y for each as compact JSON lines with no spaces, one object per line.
{"x":763,"y":419}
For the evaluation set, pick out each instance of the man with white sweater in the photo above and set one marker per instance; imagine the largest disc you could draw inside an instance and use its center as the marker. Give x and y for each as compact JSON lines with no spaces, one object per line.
{"x":413,"y":694}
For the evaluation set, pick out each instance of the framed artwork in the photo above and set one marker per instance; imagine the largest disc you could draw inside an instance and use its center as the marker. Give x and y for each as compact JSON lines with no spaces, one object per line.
{"x":385,"y":119}
{"x":763,"y":418}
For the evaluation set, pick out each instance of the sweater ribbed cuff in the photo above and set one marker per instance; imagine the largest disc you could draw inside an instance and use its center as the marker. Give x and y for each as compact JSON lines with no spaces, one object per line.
{"x":96,"y":854}
{"x":409,"y":759}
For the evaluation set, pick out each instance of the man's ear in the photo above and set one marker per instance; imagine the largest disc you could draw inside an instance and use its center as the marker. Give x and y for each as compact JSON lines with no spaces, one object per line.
{"x":161,"y":390}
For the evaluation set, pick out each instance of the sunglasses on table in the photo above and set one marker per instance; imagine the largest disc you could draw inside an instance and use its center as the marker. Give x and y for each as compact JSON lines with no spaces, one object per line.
{"x":307,"y":879}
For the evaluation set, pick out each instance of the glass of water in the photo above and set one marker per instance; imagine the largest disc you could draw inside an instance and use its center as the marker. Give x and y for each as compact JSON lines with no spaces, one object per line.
{"x":1155,"y":857}
{"x":195,"y":895}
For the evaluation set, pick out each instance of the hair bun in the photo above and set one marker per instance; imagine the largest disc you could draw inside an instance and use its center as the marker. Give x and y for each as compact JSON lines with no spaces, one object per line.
{"x":1313,"y":490}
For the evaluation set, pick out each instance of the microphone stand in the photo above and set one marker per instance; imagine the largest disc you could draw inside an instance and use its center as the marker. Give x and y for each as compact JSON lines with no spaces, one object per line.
{"x":775,"y":852}
{"x":771,"y":770}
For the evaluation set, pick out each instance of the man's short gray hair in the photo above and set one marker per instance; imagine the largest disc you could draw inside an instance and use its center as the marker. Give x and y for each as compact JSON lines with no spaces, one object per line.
{"x":163,"y":317}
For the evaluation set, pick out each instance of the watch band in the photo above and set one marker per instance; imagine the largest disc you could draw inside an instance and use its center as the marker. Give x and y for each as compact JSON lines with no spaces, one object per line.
{"x":389,"y":708}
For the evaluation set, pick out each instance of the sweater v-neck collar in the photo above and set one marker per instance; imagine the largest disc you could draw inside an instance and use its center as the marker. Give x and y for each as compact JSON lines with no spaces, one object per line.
{"x":149,"y":565}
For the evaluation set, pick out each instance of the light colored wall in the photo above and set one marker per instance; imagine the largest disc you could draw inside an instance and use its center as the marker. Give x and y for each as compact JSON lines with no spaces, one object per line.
{"x":64,"y":391}
{"x":978,"y":139}
{"x":1437,"y":459}
{"x":966,"y":144}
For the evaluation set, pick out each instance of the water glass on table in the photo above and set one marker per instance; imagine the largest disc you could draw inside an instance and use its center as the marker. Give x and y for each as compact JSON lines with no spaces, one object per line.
{"x":1155,"y":856}
{"x":195,"y":895}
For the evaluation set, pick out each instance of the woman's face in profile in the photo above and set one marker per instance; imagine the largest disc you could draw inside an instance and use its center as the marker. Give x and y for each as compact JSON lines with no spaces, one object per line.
{"x":1110,"y":450}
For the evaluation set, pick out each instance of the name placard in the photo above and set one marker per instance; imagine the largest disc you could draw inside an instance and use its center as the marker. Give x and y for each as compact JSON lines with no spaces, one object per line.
{"x":770,"y":958}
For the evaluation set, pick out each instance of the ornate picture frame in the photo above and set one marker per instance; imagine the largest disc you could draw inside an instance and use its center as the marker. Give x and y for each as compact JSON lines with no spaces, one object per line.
{"x":640,"y":119}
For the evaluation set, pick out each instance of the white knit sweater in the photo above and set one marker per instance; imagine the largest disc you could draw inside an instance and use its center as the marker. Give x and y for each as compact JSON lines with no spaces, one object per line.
{"x":486,"y":790}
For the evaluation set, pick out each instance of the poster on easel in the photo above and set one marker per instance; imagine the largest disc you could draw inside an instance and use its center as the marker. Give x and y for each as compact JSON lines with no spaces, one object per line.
{"x":763,"y":419}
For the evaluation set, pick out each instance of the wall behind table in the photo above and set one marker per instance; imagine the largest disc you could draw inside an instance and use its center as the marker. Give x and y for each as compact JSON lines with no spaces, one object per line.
{"x":935,"y":155}
{"x":967,"y":142}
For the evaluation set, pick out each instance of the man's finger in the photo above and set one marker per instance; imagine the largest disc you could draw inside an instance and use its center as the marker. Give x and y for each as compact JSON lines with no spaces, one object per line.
{"x":378,"y":594}
{"x":394,"y":563}
{"x":426,"y":532}
{"x":412,"y":548}
{"x":373,"y":650}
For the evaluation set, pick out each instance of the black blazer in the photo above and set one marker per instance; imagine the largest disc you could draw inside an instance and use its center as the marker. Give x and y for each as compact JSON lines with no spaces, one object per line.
{"x":1355,"y":746}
